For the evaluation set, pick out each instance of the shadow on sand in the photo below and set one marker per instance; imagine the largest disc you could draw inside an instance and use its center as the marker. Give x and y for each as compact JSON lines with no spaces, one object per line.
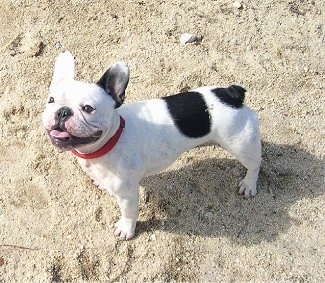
{"x":201,"y":198}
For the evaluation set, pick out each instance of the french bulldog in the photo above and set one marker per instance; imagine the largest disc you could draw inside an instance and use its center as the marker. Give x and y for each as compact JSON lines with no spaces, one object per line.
{"x":117,"y":144}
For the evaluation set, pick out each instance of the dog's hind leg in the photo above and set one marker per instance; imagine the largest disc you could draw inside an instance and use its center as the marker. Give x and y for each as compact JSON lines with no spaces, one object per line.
{"x":249,"y":155}
{"x":247,"y":186}
{"x":248,"y":152}
{"x":246,"y":148}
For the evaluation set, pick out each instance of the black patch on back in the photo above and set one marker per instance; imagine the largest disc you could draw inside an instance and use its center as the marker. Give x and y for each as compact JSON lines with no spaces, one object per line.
{"x":190,"y":113}
{"x":233,"y":96}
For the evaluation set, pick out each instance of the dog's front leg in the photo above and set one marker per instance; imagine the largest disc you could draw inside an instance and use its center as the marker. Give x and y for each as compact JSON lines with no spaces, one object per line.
{"x":129,"y":205}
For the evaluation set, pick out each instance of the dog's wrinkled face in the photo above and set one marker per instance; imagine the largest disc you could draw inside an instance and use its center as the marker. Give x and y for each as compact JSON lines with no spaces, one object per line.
{"x":78,"y":113}
{"x":75,"y":114}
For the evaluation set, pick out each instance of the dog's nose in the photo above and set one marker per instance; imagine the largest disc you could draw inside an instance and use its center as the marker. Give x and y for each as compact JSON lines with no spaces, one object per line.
{"x":63,"y":114}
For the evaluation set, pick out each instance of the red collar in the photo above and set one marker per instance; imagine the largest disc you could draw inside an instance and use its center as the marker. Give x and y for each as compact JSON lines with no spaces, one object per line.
{"x":106,"y":148}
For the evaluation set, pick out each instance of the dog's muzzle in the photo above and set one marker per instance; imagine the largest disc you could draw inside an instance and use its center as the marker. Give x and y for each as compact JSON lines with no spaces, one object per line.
{"x":61,"y":138}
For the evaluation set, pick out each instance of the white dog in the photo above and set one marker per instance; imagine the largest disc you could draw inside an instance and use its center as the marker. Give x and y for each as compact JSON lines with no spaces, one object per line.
{"x":117,"y":145}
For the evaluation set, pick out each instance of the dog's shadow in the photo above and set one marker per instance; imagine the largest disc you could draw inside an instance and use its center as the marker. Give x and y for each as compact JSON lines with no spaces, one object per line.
{"x":201,"y":198}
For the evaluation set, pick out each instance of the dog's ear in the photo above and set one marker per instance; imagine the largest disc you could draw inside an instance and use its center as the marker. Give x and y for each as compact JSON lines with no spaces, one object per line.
{"x":114,"y":82}
{"x":64,"y":68}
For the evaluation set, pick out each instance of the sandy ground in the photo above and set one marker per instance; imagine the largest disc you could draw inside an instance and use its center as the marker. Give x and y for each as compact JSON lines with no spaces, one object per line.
{"x":55,"y":226}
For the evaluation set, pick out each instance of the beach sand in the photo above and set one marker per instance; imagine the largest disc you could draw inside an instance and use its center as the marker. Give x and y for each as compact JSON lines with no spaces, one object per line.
{"x":55,"y":226}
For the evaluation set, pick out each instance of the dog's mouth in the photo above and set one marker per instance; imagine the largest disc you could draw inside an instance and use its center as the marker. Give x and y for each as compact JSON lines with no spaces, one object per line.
{"x":66,"y":141}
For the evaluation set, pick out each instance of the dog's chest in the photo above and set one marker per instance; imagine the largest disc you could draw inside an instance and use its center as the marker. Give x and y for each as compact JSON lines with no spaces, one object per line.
{"x":101,"y":176}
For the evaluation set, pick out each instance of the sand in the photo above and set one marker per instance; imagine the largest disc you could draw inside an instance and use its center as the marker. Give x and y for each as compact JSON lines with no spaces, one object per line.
{"x":55,"y":226}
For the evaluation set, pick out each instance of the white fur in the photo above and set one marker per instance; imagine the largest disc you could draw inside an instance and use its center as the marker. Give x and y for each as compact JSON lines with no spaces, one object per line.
{"x":150,"y":141}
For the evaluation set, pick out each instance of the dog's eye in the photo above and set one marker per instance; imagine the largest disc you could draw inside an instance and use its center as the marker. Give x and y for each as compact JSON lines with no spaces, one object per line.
{"x":51,"y":100}
{"x":88,"y":108}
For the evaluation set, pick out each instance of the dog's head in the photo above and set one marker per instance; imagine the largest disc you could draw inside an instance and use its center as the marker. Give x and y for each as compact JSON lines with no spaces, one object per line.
{"x":78,"y":113}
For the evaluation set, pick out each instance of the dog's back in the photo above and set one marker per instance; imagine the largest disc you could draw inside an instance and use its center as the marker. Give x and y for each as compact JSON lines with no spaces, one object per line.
{"x":169,"y":126}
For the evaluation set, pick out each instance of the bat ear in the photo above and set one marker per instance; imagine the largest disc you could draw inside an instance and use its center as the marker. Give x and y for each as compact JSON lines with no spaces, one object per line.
{"x":63,"y":68}
{"x":114,"y":82}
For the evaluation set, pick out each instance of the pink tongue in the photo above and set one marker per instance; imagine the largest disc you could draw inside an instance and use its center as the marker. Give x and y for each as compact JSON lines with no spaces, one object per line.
{"x":59,"y":134}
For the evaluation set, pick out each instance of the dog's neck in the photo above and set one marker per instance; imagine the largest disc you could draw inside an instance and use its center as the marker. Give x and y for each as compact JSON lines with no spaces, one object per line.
{"x":106,"y":142}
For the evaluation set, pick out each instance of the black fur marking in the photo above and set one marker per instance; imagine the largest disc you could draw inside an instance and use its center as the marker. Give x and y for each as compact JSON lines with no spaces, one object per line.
{"x":233,"y":96}
{"x":190,"y":113}
{"x":114,"y":82}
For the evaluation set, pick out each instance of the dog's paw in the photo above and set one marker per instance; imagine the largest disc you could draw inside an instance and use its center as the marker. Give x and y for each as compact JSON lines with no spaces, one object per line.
{"x":246,"y":190}
{"x":125,"y":229}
